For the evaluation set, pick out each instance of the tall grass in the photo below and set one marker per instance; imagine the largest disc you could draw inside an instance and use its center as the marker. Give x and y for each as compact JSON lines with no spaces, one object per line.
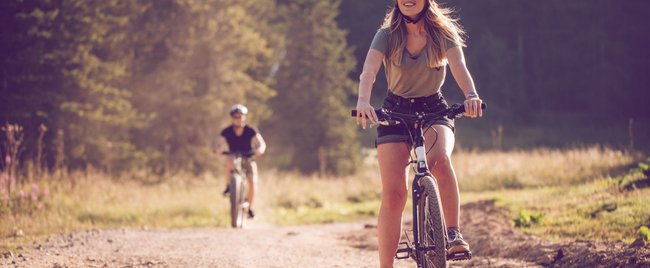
{"x":516,"y":169}
{"x":604,"y":208}
{"x":94,"y":200}
{"x":99,"y":201}
{"x":288,"y":198}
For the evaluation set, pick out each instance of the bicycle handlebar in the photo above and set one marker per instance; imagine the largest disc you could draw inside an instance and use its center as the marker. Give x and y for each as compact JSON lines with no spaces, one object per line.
{"x":242,"y":154}
{"x":452,"y":112}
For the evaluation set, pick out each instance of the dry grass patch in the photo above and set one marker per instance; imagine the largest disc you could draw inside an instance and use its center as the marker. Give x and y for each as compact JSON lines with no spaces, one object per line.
{"x":492,"y":170}
{"x":98,"y":201}
{"x":288,"y":198}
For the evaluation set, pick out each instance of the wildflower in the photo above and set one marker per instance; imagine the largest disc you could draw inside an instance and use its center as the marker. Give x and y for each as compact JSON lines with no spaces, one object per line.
{"x":34,"y":192}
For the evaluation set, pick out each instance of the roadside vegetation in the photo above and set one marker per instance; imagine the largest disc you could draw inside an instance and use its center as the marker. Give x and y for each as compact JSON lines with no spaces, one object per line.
{"x":585,"y":193}
{"x":611,"y":206}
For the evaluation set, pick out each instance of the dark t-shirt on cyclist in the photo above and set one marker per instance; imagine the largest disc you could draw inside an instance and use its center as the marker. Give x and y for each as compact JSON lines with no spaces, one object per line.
{"x":241,"y":143}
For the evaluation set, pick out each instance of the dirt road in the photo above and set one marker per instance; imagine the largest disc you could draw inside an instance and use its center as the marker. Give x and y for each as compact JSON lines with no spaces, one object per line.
{"x":495,"y":244}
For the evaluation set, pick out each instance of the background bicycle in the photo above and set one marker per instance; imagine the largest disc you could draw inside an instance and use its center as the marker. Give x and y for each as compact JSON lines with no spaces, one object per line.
{"x":238,"y":190}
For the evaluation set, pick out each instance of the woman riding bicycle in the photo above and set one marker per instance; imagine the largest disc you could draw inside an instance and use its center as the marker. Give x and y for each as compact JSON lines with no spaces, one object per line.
{"x":243,"y":139}
{"x":415,"y":43}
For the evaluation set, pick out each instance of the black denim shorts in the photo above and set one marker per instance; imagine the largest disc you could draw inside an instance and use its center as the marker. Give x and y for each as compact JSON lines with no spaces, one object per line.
{"x":400,"y":133}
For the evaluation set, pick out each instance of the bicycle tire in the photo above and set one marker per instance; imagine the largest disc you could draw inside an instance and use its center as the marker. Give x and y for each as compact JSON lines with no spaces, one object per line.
{"x":235,"y":204}
{"x":243,"y":202}
{"x":432,"y":226}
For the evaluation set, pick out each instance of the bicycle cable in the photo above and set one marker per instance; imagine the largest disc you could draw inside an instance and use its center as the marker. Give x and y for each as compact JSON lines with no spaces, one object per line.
{"x":411,"y":141}
{"x":434,"y":141}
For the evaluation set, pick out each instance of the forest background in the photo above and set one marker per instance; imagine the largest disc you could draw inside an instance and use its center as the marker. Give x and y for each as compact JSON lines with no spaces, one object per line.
{"x":119,"y":86}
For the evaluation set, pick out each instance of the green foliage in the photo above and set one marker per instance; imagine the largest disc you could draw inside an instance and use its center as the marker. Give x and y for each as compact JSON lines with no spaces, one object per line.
{"x":129,"y":82}
{"x":527,"y":219}
{"x":635,"y":178}
{"x":311,"y":107}
{"x":195,"y":61}
{"x":644,"y":232}
{"x":147,"y":84}
{"x":645,"y":166}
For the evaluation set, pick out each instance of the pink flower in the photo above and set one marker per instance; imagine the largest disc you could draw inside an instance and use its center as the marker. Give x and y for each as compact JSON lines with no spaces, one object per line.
{"x":46,"y":191}
{"x":8,"y":160}
{"x":22,"y":194}
{"x":34,"y":192}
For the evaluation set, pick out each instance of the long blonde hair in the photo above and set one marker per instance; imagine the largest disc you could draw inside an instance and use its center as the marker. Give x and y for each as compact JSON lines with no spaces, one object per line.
{"x":439,"y":25}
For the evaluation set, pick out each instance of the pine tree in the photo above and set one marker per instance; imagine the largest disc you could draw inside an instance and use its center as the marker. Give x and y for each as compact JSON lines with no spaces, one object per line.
{"x":311,"y":109}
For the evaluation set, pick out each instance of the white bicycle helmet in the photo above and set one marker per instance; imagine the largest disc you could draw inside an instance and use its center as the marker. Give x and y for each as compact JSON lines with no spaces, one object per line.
{"x":238,"y":109}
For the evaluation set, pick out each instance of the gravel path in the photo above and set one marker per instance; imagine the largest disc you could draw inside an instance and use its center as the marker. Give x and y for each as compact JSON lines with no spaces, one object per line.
{"x":494,"y":242}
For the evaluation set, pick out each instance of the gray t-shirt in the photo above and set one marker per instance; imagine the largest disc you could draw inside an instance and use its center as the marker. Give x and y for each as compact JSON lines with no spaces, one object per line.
{"x":416,"y":76}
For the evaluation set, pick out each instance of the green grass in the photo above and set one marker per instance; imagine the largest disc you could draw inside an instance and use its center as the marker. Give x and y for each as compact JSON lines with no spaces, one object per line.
{"x":591,"y":211}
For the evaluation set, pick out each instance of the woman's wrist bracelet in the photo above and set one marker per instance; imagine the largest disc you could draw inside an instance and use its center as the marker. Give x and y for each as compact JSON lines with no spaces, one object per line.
{"x":471,"y":94}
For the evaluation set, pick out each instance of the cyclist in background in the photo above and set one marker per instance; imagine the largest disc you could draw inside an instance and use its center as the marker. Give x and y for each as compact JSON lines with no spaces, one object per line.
{"x":245,"y":140}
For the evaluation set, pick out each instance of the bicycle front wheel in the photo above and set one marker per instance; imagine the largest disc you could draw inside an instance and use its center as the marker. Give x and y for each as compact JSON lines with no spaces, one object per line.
{"x":236,"y":214}
{"x":431,"y":225}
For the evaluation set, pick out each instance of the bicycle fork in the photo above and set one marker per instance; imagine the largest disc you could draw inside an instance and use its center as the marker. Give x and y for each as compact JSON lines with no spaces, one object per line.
{"x":408,"y":248}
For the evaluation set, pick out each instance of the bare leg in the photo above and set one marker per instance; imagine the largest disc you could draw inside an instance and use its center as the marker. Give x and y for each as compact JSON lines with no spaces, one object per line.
{"x":393,"y":160}
{"x":230,"y":165}
{"x":251,"y":176}
{"x":439,"y":161}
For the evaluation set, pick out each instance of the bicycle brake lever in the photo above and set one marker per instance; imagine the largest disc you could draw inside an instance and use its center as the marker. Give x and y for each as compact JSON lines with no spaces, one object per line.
{"x":383,"y":123}
{"x":387,"y":123}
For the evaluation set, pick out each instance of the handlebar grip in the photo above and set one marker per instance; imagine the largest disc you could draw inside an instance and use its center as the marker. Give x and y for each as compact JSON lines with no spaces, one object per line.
{"x":458,"y":109}
{"x":354,"y":112}
{"x":461,"y":109}
{"x":243,"y":154}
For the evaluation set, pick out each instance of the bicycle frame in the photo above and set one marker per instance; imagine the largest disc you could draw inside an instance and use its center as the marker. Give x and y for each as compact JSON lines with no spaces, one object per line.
{"x":417,"y":251}
{"x":238,"y":195}
{"x":422,"y":170}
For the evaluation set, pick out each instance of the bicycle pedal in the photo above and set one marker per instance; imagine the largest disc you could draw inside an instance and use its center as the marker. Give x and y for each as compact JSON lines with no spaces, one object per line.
{"x":459,"y":256}
{"x":405,"y":251}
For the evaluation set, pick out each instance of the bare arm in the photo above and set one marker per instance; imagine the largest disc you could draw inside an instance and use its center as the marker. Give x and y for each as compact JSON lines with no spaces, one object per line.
{"x":366,"y":80}
{"x":219,"y":145}
{"x":259,"y":145}
{"x":464,"y":79}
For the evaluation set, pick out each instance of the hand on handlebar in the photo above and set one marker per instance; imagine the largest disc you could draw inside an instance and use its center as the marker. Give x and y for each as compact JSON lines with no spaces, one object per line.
{"x":257,"y":154}
{"x":473,"y":107}
{"x":365,"y":111}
